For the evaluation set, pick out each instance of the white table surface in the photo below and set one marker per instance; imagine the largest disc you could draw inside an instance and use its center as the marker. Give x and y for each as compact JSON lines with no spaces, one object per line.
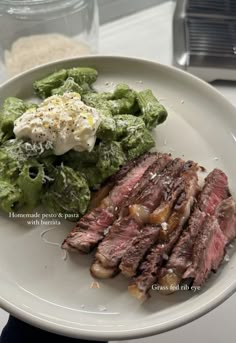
{"x":148,"y":34}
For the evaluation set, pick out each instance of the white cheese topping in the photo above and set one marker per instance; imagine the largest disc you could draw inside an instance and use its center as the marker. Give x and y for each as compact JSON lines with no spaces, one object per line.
{"x":164,"y":226}
{"x":63,"y":120}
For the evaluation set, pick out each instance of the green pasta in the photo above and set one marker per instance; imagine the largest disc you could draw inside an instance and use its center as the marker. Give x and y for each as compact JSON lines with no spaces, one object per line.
{"x":83,"y":75}
{"x":137,"y":144}
{"x":92,"y":175}
{"x":30,"y":172}
{"x":56,"y":82}
{"x":68,"y":86}
{"x":44,"y":87}
{"x":107,"y":129}
{"x":78,"y":160}
{"x":124,"y":100}
{"x":122,"y":90}
{"x":153,"y":113}
{"x":12,"y":109}
{"x":12,"y":159}
{"x":96,"y":166}
{"x":30,"y":182}
{"x":98,"y":100}
{"x":123,"y":105}
{"x":111,"y":158}
{"x":11,"y":196}
{"x":69,"y":194}
{"x":127,"y":124}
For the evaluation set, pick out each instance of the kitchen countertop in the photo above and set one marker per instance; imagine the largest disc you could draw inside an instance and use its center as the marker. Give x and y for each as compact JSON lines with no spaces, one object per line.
{"x":148,"y":34}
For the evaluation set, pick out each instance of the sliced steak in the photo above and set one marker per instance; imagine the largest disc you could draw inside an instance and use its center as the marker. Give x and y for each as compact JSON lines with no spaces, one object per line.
{"x":137,"y":249}
{"x":160,"y":183}
{"x":148,"y":236}
{"x":107,"y":186}
{"x":150,"y":268}
{"x":124,"y":188}
{"x":146,"y":181}
{"x":86,"y":236}
{"x":113,"y":246}
{"x":88,"y":227}
{"x":226,"y":216}
{"x":209,"y":248}
{"x":163,"y":212}
{"x":182,"y":208}
{"x":208,"y":251}
{"x":181,"y":256}
{"x":214,"y":191}
{"x":106,"y":256}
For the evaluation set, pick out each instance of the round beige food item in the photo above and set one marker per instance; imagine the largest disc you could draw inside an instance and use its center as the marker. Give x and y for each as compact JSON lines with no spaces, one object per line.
{"x":31,"y":51}
{"x":63,"y":120}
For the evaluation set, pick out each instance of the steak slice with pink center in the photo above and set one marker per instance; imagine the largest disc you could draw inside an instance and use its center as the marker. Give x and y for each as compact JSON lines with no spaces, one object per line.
{"x":89,"y":231}
{"x":226,"y":216}
{"x":106,"y":256}
{"x":149,"y":269}
{"x":208,"y":252}
{"x":214,"y":191}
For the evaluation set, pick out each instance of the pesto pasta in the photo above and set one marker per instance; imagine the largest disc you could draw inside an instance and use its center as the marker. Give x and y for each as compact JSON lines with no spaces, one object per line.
{"x":101,"y":131}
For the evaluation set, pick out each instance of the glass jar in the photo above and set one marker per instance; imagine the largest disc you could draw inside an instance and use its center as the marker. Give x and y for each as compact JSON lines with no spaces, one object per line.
{"x":34,"y":32}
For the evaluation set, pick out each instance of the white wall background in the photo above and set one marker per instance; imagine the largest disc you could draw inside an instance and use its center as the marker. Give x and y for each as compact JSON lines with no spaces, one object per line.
{"x":114,"y":9}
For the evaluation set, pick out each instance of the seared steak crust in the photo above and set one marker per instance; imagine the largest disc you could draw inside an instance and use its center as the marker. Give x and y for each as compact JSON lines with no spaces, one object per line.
{"x":138,"y":248}
{"x":89,"y":230}
{"x":113,"y":246}
{"x":208,"y":251}
{"x":150,"y":268}
{"x":86,"y":228}
{"x":151,"y":222}
{"x":106,"y":255}
{"x":214,"y":191}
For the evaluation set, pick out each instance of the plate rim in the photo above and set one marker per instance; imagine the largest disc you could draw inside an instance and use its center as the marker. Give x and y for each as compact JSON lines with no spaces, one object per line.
{"x":66,"y":330}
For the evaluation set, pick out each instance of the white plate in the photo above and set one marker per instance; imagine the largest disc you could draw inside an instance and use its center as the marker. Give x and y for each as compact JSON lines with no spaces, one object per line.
{"x":39,"y":287}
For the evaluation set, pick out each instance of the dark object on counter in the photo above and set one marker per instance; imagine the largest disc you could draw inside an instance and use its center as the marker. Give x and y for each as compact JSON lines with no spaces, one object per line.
{"x":17,"y":331}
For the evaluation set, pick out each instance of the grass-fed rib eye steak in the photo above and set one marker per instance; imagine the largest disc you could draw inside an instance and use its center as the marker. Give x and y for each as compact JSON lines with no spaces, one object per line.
{"x":208,"y":251}
{"x":192,"y":255}
{"x":149,"y":269}
{"x":226,"y":216}
{"x":89,"y":231}
{"x":140,"y":245}
{"x":152,"y":222}
{"x":138,"y":248}
{"x":121,"y":233}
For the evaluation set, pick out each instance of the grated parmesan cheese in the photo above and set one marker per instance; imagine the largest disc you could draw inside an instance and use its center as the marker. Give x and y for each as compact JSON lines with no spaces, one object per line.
{"x":164,"y":226}
{"x":31,"y":51}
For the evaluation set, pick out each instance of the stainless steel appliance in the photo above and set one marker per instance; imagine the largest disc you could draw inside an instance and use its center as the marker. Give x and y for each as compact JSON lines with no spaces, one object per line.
{"x":204,"y":34}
